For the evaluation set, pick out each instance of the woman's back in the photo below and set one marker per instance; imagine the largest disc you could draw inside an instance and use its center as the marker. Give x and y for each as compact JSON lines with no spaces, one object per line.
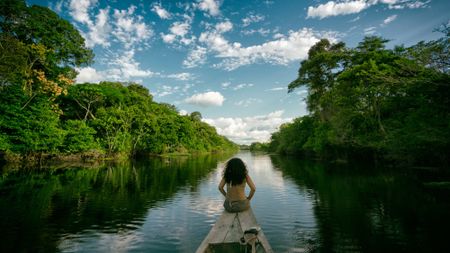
{"x":235,"y":177}
{"x":236,"y":192}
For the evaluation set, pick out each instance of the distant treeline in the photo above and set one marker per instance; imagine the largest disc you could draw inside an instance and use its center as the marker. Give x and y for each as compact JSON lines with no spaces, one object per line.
{"x":371,"y":102}
{"x":43,"y":112}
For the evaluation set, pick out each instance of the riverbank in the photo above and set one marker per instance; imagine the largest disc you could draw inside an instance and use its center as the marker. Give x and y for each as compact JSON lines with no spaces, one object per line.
{"x":45,"y":160}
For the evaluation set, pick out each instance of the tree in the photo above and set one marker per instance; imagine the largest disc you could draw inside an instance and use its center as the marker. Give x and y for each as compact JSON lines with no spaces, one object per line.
{"x":318,"y":73}
{"x":370,"y":100}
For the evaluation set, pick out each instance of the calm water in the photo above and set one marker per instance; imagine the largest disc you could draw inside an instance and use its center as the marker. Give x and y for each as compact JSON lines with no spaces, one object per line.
{"x":169,"y":205}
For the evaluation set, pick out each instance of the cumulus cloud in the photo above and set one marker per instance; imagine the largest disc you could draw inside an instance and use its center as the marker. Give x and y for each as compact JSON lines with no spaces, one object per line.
{"x":161,"y":12}
{"x":124,"y":26}
{"x":224,"y":26}
{"x":246,"y":130}
{"x":88,"y":75}
{"x":130,"y":29}
{"x":332,"y":8}
{"x":125,"y":66}
{"x":291,"y":47}
{"x":209,"y":6}
{"x":178,"y":32}
{"x":211,"y":98}
{"x":122,"y":67}
{"x":79,"y":10}
{"x":100,"y":30}
{"x":195,"y":57}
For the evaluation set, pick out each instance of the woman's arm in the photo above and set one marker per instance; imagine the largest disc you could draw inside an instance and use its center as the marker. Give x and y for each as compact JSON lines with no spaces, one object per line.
{"x":221,"y":185}
{"x":252,"y":187}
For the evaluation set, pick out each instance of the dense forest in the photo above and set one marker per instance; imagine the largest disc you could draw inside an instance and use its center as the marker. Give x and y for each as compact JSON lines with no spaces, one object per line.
{"x":42,"y":111}
{"x":373,"y":103}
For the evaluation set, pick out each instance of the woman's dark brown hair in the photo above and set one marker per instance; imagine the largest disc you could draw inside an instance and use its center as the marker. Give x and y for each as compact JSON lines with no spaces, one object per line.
{"x":235,"y":171}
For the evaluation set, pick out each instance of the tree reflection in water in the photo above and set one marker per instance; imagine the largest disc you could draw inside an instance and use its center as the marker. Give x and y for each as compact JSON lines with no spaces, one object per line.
{"x":40,"y":208}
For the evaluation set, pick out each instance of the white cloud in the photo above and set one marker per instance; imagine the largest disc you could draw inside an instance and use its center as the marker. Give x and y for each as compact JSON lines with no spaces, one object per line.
{"x":261,"y":31}
{"x":292,"y":47}
{"x":121,"y":68}
{"x":389,"y":20}
{"x":181,"y":76}
{"x":247,"y":102}
{"x":161,"y":12}
{"x":355,"y":19}
{"x":195,"y":57}
{"x":183,"y":112}
{"x":125,"y":26}
{"x":89,"y":75}
{"x":252,"y":19}
{"x":166,"y":90}
{"x":249,"y":129}
{"x":242,"y":85}
{"x":130,"y":29}
{"x":277,"y":89}
{"x":178,"y":32}
{"x":211,"y":98}
{"x":168,"y":38}
{"x":224,"y":26}
{"x":100,"y":31}
{"x":334,"y":9}
{"x":225,"y":85}
{"x":129,"y":67}
{"x":278,"y":36}
{"x":370,"y":30}
{"x":180,"y":28}
{"x":209,"y":6}
{"x":79,"y":10}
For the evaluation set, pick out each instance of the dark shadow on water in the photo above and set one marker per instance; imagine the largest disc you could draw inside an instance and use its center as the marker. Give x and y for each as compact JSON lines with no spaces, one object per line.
{"x":365,"y":209}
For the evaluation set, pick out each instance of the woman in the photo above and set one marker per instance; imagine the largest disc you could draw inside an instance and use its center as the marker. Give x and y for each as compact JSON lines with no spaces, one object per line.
{"x":235,"y":176}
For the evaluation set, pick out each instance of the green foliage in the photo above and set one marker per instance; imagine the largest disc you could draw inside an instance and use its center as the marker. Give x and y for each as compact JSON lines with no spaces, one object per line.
{"x":79,"y":137}
{"x":373,"y":101}
{"x":258,"y":146}
{"x":42,"y":112}
{"x":30,"y":129}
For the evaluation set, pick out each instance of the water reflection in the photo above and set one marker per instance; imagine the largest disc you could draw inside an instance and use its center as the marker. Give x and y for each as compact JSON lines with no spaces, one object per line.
{"x":364,"y":210}
{"x":56,"y":210}
{"x":169,"y":205}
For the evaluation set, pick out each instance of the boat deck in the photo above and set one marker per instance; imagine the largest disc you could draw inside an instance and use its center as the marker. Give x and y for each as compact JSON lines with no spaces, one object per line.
{"x":229,"y":229}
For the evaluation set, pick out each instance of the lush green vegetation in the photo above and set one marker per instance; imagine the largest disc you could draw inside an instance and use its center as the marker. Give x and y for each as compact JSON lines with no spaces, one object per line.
{"x":373,"y":102}
{"x":258,"y":146}
{"x":43,"y":112}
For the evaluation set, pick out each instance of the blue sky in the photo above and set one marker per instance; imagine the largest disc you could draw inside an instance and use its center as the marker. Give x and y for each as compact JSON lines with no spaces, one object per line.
{"x":232,"y":60}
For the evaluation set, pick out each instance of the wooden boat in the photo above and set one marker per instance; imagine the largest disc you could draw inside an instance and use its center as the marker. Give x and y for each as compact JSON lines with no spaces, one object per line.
{"x":226,"y":234}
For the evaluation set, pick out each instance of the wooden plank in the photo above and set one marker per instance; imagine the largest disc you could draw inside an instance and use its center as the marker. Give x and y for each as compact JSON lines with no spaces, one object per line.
{"x":218,"y":232}
{"x":235,"y":231}
{"x":230,"y":227}
{"x":248,"y":220}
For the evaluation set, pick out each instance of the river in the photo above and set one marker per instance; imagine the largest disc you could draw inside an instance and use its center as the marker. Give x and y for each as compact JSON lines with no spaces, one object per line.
{"x":170,"y":204}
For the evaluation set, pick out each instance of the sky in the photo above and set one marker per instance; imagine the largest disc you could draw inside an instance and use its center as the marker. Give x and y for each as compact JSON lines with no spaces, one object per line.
{"x":232,"y":60}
